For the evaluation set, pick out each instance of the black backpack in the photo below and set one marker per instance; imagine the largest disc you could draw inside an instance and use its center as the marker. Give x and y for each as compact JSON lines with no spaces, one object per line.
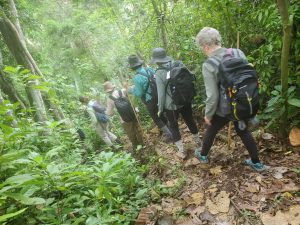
{"x":181,"y":84}
{"x":238,"y":86}
{"x":152,"y":84}
{"x":100,"y":114}
{"x":124,"y":107}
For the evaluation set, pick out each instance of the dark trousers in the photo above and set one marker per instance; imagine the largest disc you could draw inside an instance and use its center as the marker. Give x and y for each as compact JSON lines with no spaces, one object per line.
{"x":153,"y":110}
{"x":187,"y":115}
{"x":217,"y":123}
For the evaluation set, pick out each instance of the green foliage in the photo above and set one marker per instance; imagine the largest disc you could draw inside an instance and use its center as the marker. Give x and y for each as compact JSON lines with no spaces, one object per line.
{"x":276,"y":107}
{"x":45,"y":172}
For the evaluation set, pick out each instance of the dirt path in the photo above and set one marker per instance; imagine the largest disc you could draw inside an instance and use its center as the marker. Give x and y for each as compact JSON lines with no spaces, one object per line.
{"x":226,"y":191}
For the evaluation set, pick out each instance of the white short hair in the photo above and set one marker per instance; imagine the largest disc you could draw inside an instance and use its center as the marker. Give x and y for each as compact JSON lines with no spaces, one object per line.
{"x":208,"y":36}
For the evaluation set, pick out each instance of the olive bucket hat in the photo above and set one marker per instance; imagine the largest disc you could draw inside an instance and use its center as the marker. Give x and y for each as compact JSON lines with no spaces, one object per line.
{"x":159,"y":55}
{"x":134,"y":61}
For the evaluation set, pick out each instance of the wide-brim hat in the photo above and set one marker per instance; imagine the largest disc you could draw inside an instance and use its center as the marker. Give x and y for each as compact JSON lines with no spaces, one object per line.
{"x":108,"y":86}
{"x":134,"y":61}
{"x":159,"y":55}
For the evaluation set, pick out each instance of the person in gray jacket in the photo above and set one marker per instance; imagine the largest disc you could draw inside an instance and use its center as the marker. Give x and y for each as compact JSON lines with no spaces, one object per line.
{"x":209,"y":41}
{"x":166,"y":103}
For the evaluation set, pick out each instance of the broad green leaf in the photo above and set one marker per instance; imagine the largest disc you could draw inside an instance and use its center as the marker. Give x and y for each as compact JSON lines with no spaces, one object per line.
{"x":294,"y":102}
{"x":141,"y":193}
{"x":19,"y":179}
{"x":10,"y":215}
{"x":24,"y":199}
{"x":10,"y":69}
{"x":92,"y":220}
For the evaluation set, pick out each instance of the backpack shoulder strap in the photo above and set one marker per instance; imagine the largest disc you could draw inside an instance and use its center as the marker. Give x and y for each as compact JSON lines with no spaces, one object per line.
{"x":213,"y":61}
{"x":112,"y":98}
{"x":120,"y":94}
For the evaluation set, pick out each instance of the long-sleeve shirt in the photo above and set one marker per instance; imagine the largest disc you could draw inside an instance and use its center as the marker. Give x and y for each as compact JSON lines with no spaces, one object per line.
{"x":141,"y":83}
{"x":211,"y":82}
{"x":90,"y":110}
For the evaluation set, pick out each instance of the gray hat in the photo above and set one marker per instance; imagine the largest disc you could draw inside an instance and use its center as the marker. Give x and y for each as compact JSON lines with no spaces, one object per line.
{"x":134,"y":61}
{"x":159,"y":55}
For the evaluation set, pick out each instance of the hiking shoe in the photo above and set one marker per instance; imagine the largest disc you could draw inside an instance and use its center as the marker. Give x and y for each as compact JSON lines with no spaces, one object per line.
{"x":203,"y":159}
{"x":257,"y":166}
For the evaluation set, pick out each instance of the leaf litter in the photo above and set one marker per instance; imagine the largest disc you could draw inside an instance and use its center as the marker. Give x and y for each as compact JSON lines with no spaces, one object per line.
{"x":207,"y":195}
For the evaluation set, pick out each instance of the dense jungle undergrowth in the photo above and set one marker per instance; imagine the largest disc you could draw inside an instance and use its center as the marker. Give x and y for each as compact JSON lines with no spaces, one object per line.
{"x":53,"y":51}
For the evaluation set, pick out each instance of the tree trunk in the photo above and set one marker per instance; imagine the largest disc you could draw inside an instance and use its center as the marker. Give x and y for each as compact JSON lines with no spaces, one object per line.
{"x":15,"y":19}
{"x":19,"y":51}
{"x":287,"y":37}
{"x":161,"y":22}
{"x":7,"y":87}
{"x":24,"y":58}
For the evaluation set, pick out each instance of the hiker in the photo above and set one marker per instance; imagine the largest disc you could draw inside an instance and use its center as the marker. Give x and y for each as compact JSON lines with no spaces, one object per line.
{"x":99,"y":122}
{"x":209,"y":41}
{"x":118,"y":99}
{"x":145,"y":88}
{"x":171,"y":103}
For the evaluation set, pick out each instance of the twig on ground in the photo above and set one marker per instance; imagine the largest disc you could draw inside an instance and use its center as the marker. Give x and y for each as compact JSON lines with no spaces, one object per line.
{"x":240,"y":212}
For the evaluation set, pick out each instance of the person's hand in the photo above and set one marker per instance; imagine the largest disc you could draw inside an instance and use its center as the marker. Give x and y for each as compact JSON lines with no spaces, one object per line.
{"x":126,"y":85}
{"x":158,"y":113}
{"x":207,"y":121}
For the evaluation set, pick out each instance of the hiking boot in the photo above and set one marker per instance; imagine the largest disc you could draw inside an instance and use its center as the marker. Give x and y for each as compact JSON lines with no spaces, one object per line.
{"x":203,"y":159}
{"x":257,"y":166}
{"x":167,"y":135}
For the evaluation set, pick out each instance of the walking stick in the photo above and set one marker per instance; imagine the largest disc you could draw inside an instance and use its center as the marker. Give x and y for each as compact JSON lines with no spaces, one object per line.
{"x":230,"y":123}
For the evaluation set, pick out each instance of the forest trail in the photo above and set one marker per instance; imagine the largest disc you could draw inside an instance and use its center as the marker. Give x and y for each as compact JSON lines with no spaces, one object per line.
{"x":225,"y":192}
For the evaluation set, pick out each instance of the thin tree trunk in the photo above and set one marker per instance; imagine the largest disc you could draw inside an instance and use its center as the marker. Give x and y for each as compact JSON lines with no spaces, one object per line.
{"x":27,"y":60}
{"x":287,"y":37}
{"x":161,"y":22}
{"x":10,"y":91}
{"x":8,"y":88}
{"x":18,"y":49}
{"x":15,"y":19}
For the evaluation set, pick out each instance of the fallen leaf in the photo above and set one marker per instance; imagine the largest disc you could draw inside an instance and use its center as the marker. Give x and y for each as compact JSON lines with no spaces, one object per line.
{"x":198,"y":198}
{"x":253,"y":188}
{"x":294,"y":136}
{"x":186,"y":222}
{"x":170,"y":205}
{"x":259,"y":180}
{"x":200,"y":209}
{"x":192,"y":162}
{"x":212,"y":188}
{"x":212,"y":208}
{"x":216,"y":170}
{"x":277,"y":172}
{"x":278,"y":219}
{"x":291,"y":217}
{"x":287,"y":195}
{"x":267,"y":136}
{"x":171,"y":183}
{"x":220,"y":204}
{"x":145,"y":216}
